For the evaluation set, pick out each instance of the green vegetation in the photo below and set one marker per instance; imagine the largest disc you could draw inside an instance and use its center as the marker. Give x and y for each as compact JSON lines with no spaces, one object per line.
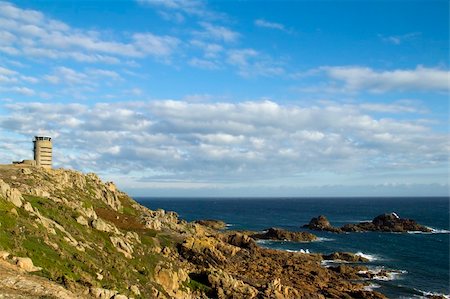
{"x":47,"y":237}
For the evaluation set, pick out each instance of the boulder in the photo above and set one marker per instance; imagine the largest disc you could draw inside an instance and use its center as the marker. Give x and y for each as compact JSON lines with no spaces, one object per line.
{"x":4,"y":255}
{"x":26,"y":263}
{"x":102,"y":293}
{"x":100,"y":224}
{"x":28,"y":207}
{"x":228,"y":287}
{"x":321,"y":223}
{"x":26,"y":171}
{"x":10,"y":194}
{"x":122,"y":246}
{"x":135,"y":290}
{"x":171,"y":280}
{"x":83,"y":221}
{"x":240,"y":240}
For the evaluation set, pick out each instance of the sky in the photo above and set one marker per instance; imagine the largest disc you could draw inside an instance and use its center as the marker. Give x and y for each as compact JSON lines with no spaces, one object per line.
{"x":171,"y":98}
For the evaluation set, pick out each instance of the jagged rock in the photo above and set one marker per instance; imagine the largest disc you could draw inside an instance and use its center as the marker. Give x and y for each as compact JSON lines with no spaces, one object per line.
{"x":208,"y":250}
{"x":389,"y":222}
{"x":14,"y":212}
{"x":111,"y":186}
{"x":276,"y":290}
{"x":321,"y":223}
{"x":119,"y":296}
{"x":229,"y":287}
{"x":10,"y":194}
{"x":101,"y":225}
{"x":122,"y":246}
{"x":240,"y":240}
{"x":40,"y":192}
{"x":133,"y":236}
{"x":158,"y":219}
{"x":135,"y":290}
{"x":26,"y":171}
{"x":166,"y":251}
{"x":83,"y":221}
{"x":284,"y":235}
{"x":102,"y":293}
{"x":28,"y":207}
{"x":345,"y":256}
{"x":26,"y":263}
{"x":170,"y":280}
{"x":4,"y":254}
{"x":214,"y":224}
{"x":152,"y":223}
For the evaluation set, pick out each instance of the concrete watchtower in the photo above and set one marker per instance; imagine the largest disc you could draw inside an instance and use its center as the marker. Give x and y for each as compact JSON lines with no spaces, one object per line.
{"x":43,"y":151}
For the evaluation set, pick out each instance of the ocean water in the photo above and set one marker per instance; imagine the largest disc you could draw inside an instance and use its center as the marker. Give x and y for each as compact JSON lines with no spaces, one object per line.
{"x":421,"y":259}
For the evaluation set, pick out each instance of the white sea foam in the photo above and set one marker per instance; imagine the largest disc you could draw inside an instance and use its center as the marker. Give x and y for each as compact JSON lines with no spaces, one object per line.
{"x":299,"y":251}
{"x":433,"y":231}
{"x":371,"y":287}
{"x":327,"y":263}
{"x":427,"y":294}
{"x":229,"y":224}
{"x":322,"y":239}
{"x":370,"y":257}
{"x":382,"y":274}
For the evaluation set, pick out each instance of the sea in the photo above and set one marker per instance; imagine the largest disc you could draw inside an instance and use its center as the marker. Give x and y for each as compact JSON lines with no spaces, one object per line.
{"x":418,"y":262}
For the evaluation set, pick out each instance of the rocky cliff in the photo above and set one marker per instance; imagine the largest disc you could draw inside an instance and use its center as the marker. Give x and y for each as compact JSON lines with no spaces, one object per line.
{"x":64,"y":234}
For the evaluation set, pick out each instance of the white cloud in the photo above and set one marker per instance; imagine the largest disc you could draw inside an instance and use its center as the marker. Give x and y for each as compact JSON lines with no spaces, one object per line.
{"x":272,"y":25}
{"x":33,"y":34}
{"x":251,"y":63}
{"x":210,"y":50}
{"x":221,"y":142}
{"x":204,"y":64}
{"x":399,"y":39}
{"x":176,"y":10}
{"x":217,"y":32}
{"x":356,"y":78}
{"x":149,"y":43}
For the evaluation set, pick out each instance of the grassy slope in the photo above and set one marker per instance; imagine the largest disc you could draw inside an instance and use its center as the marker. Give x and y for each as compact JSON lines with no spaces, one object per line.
{"x":21,"y":235}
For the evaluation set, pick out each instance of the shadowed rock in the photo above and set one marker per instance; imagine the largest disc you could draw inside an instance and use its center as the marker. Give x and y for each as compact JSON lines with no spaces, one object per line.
{"x":321,"y":223}
{"x":214,"y":224}
{"x":284,"y":235}
{"x":389,"y":222}
{"x":345,"y":256}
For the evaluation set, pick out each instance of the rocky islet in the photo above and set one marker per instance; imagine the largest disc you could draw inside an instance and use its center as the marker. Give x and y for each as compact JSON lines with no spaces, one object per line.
{"x":388,"y":222}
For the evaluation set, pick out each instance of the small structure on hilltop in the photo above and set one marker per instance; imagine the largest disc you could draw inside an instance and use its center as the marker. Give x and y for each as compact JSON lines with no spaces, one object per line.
{"x":42,"y":150}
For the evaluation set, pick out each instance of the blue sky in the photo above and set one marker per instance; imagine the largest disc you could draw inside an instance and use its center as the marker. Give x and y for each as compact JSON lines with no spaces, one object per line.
{"x":232,"y":98}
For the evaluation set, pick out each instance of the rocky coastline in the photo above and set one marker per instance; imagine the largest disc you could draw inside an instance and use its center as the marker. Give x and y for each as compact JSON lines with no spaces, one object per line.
{"x":65,"y":234}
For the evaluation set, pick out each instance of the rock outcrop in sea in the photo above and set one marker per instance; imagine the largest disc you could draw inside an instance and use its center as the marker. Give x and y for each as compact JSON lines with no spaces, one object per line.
{"x":64,"y":234}
{"x":284,"y":235}
{"x":389,"y":222}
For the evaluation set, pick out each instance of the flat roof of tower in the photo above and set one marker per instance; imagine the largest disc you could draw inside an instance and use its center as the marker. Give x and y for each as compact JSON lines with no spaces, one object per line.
{"x":42,"y":138}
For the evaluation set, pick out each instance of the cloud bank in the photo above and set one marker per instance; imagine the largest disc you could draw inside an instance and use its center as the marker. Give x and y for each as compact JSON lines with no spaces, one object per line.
{"x":255,"y":141}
